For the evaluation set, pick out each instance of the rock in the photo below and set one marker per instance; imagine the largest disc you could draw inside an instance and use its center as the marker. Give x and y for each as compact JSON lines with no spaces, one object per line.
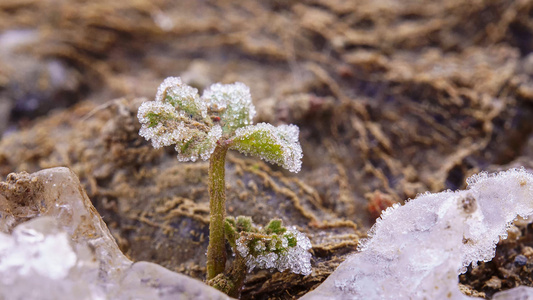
{"x":520,"y":260}
{"x":59,"y":248}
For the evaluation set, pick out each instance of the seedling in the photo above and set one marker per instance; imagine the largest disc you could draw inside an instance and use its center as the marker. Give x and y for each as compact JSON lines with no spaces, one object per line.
{"x":207,"y":127}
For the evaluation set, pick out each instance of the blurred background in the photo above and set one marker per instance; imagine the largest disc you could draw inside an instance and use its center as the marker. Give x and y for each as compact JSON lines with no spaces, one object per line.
{"x":393,"y":98}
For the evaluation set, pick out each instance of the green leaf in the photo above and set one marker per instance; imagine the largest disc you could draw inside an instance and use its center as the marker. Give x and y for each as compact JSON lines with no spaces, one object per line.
{"x":200,"y":144}
{"x":244,"y":224}
{"x":287,"y":251}
{"x":277,"y":145}
{"x":291,"y":239}
{"x":182,"y":97}
{"x":230,"y":232}
{"x":232,"y":103}
{"x":275,"y":226}
{"x":163,"y":125}
{"x":155,"y":118}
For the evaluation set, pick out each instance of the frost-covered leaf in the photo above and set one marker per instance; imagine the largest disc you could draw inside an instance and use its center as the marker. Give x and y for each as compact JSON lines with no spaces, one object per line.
{"x":163,"y":125}
{"x":159,"y":123}
{"x":289,"y":250}
{"x":200,"y":144}
{"x":232,"y":103}
{"x":182,"y":97}
{"x":275,"y":226}
{"x":277,"y":145}
{"x":230,"y":231}
{"x":244,"y":224}
{"x":178,"y":116}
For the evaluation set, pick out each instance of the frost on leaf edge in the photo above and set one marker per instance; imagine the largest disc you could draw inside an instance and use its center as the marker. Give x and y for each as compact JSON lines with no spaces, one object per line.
{"x":281,"y":142}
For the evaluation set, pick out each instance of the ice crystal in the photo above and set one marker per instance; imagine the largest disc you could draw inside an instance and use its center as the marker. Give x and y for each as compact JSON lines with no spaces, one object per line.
{"x":201,"y":146}
{"x":277,"y":145}
{"x":181,"y":96}
{"x":232,"y":103}
{"x":154,"y":117}
{"x":178,"y":117}
{"x":288,"y":251}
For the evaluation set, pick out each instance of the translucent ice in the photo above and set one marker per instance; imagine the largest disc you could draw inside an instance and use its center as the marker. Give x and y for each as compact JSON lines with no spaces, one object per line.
{"x":417,"y":251}
{"x":35,"y":248}
{"x":66,"y":252}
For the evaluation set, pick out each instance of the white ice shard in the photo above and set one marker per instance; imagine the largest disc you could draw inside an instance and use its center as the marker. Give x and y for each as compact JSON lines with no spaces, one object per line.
{"x":54,"y":245}
{"x":417,"y":251}
{"x":36,"y":248}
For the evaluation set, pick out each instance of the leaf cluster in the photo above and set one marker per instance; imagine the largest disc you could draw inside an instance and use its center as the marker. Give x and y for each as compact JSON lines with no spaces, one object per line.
{"x":223,"y":115}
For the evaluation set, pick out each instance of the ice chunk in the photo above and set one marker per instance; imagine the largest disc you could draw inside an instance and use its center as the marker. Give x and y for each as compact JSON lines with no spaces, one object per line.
{"x":417,"y":251}
{"x":518,"y":293}
{"x":36,"y":248}
{"x":38,"y":262}
{"x":66,"y":252}
{"x":277,"y":145}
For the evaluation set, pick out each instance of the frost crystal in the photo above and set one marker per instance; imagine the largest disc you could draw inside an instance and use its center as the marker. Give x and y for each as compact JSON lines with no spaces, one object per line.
{"x":179,"y":117}
{"x":232,"y":103}
{"x":181,"y":96}
{"x":277,"y":145}
{"x":416,"y":251}
{"x":202,"y":148}
{"x":153,"y":117}
{"x":296,"y":258}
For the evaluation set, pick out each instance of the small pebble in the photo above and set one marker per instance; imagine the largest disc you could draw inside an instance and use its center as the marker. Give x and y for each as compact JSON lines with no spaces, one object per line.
{"x":520,"y":260}
{"x":527,"y":251}
{"x":494,"y":283}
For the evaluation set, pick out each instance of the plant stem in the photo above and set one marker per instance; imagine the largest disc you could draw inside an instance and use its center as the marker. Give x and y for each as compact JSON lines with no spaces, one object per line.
{"x":216,"y":251}
{"x":231,"y":282}
{"x":237,"y":274}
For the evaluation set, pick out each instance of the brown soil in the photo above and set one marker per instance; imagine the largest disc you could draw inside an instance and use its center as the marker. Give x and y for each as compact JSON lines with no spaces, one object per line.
{"x":392,"y":98}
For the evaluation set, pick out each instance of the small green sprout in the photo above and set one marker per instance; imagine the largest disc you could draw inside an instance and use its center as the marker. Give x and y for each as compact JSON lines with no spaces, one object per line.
{"x":273,"y":246}
{"x":207,"y":127}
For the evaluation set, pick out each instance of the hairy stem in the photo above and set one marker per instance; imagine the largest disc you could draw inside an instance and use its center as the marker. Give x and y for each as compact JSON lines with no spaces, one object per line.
{"x":237,"y":274}
{"x":231,"y":282}
{"x":216,"y":251}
